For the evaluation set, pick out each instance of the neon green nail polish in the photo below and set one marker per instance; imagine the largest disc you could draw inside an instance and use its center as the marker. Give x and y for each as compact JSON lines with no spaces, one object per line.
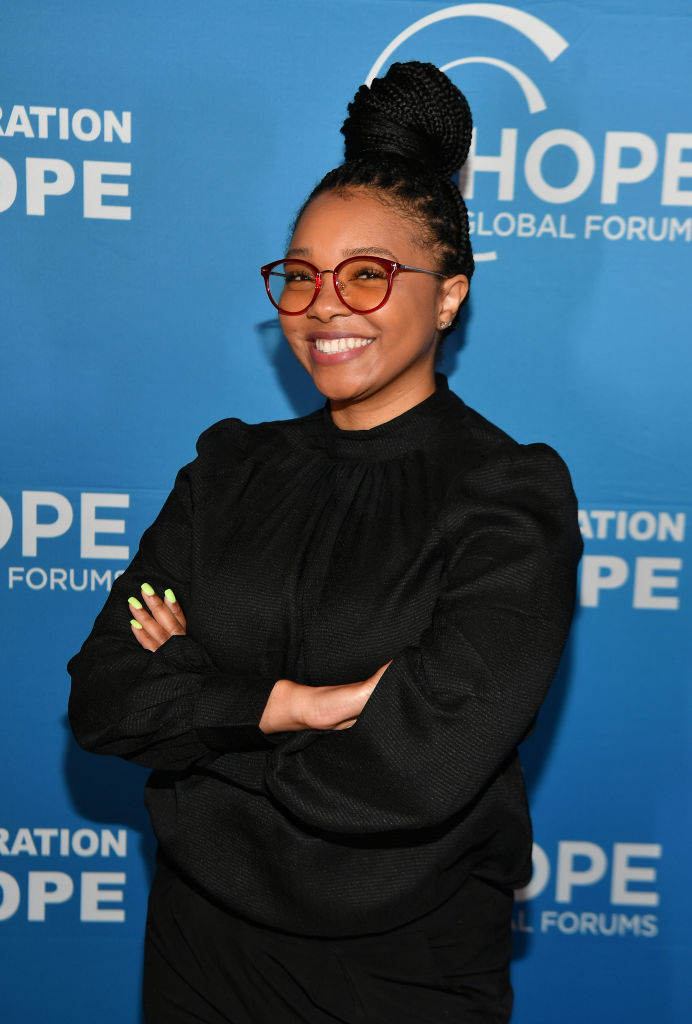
{"x":135,"y":624}
{"x":134,"y":602}
{"x":169,"y":595}
{"x":148,"y":589}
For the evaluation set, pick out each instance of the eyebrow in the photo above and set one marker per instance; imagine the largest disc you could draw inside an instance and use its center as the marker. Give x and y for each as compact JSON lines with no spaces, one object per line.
{"x":365,"y":250}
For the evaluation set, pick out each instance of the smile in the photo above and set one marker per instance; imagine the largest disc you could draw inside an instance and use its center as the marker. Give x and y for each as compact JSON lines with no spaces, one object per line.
{"x":340,"y":344}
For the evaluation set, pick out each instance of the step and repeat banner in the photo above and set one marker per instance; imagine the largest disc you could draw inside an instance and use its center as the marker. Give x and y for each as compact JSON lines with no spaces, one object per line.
{"x":152,"y":157}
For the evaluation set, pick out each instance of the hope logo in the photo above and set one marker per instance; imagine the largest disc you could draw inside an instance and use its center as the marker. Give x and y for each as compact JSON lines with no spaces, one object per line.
{"x":627,"y":158}
{"x":546,"y":39}
{"x":48,"y":516}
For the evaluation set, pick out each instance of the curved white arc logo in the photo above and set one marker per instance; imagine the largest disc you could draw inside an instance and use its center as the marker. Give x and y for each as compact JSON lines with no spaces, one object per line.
{"x":532,"y":94}
{"x":548,"y":41}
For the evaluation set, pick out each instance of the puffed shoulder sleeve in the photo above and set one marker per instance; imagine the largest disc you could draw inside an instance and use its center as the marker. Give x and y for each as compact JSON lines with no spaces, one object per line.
{"x":171,"y":708}
{"x":450,"y":710}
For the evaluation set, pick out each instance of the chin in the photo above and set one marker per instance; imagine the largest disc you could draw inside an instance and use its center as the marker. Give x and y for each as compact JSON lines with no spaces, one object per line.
{"x":344,"y":389}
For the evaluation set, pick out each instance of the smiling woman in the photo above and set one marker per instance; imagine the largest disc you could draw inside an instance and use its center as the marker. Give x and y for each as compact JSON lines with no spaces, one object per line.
{"x":334,"y":636}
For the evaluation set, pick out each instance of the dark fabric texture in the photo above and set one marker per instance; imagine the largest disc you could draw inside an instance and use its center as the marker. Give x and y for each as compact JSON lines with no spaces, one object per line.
{"x":302,"y":551}
{"x":203,"y":964}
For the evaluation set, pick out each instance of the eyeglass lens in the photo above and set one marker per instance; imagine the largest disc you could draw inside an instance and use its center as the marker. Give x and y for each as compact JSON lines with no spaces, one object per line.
{"x":362,"y":283}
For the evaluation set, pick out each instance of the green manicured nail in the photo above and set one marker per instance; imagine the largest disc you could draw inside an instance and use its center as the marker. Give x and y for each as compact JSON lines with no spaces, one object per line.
{"x":134,"y":602}
{"x":135,"y":624}
{"x":169,"y":595}
{"x":148,"y":589}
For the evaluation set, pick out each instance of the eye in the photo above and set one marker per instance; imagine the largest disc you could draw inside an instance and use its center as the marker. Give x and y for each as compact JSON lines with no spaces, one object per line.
{"x":364,"y":273}
{"x":368,"y":272}
{"x":298,"y":275}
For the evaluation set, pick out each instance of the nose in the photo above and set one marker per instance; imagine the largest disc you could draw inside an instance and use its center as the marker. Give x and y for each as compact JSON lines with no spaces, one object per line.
{"x":328,"y":304}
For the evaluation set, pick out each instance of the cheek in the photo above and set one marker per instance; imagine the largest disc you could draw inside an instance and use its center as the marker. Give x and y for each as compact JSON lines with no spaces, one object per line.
{"x":414,"y":320}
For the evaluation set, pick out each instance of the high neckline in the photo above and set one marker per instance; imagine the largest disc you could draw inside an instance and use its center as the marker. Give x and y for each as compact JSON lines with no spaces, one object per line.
{"x":397,"y":436}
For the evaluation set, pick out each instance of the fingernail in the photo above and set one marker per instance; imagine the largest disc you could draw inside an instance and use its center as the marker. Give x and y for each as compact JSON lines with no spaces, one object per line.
{"x":134,"y":602}
{"x":169,"y":595}
{"x":148,"y":589}
{"x":135,"y":624}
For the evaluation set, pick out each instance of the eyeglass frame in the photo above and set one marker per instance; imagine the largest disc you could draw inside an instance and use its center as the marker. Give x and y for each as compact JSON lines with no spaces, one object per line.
{"x":393,"y":267}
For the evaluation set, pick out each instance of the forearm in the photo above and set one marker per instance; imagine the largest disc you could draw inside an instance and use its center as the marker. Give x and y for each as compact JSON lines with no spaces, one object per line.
{"x":166,"y":710}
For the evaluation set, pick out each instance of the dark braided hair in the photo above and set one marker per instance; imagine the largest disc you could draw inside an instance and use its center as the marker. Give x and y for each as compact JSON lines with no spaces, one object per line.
{"x":405,"y":136}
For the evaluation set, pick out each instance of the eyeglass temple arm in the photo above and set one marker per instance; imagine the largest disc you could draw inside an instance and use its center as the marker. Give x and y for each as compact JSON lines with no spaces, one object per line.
{"x":420,"y":270}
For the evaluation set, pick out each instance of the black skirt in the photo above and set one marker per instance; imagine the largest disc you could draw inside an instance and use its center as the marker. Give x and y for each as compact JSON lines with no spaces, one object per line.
{"x":204,"y":965}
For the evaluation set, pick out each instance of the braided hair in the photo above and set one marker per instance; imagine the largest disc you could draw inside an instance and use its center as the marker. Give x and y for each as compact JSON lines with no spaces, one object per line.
{"x":405,"y":136}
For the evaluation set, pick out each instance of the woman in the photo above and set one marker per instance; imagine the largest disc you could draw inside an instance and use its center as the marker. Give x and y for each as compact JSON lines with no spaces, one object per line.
{"x":362,"y":611}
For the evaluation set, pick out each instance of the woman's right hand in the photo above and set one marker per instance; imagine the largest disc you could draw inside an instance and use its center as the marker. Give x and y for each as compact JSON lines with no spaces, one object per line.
{"x":293,"y":707}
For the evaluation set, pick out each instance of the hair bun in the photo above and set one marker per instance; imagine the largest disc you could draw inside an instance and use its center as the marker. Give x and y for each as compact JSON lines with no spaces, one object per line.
{"x":415,"y":112}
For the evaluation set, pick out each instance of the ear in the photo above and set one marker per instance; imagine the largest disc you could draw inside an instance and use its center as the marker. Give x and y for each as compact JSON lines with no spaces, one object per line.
{"x":453,"y":291}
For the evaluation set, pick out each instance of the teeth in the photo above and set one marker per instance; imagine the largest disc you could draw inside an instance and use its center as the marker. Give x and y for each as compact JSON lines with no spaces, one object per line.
{"x":341,"y":344}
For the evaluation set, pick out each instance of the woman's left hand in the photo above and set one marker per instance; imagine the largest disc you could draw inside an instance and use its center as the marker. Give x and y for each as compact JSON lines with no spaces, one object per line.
{"x":160,"y":622}
{"x":293,"y":706}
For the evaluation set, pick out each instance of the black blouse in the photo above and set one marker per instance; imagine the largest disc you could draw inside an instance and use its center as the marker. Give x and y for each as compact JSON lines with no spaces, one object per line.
{"x":303,"y":551}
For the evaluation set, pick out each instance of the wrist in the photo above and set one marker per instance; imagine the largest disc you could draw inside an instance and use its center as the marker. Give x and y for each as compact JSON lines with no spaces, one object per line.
{"x":282,"y":712}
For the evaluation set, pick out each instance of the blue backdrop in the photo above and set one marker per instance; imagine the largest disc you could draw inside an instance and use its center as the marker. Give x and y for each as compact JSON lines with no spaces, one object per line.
{"x":151,"y":158}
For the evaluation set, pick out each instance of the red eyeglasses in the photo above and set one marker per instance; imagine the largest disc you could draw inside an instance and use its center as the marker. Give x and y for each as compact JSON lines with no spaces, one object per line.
{"x":363,"y":283}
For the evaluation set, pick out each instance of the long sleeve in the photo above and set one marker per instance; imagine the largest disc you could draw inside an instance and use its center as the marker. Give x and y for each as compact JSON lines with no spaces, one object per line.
{"x":449,"y":711}
{"x":172,"y":708}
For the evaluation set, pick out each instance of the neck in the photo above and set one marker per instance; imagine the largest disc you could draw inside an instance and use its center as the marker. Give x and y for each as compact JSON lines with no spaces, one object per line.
{"x":374,"y":410}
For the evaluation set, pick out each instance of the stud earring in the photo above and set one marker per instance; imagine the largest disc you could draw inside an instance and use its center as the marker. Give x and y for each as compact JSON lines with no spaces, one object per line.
{"x":445,"y":323}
